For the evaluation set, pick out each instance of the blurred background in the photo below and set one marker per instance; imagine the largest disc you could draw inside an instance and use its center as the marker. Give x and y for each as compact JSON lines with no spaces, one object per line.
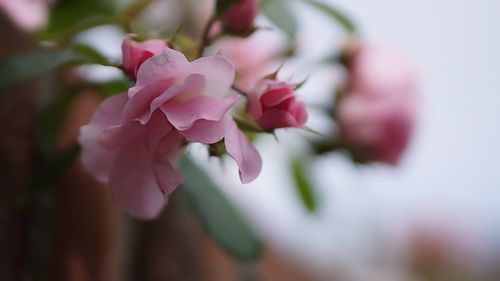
{"x":439,"y":207}
{"x":435,"y":216}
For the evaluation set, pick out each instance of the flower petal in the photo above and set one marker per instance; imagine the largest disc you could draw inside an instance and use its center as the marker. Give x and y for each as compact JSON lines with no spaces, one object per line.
{"x":166,"y":176}
{"x":242,"y":151}
{"x":276,"y":96}
{"x":96,"y":158}
{"x":205,"y":131}
{"x":277,"y":118}
{"x":133,"y":182}
{"x":138,"y":106}
{"x":218,"y":72}
{"x":109,"y":111}
{"x":183,"y":115}
{"x":168,"y":65}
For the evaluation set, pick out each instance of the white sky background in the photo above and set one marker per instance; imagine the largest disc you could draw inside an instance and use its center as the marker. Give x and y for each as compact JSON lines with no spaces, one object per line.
{"x":450,"y":172}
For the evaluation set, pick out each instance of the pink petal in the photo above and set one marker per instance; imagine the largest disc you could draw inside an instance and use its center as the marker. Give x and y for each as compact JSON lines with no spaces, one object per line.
{"x":169,"y":65}
{"x":298,"y":110}
{"x":109,"y":111}
{"x":205,"y":131}
{"x":276,"y":96}
{"x":277,"y":118}
{"x":242,"y":151}
{"x":138,"y":106}
{"x":135,"y":53}
{"x":96,"y":158}
{"x":170,"y":145}
{"x":156,"y":129}
{"x":166,"y":176}
{"x":218,"y":72}
{"x":133,"y":182}
{"x":182,"y":115}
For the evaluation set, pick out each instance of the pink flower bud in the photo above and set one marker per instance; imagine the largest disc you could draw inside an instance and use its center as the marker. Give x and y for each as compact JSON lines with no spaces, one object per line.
{"x":377,"y":111}
{"x":135,"y":53}
{"x":240,"y":16}
{"x":274,"y":105}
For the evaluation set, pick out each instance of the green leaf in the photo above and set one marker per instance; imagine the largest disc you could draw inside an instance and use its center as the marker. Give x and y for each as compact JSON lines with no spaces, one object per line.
{"x":280,"y":14}
{"x":113,"y":87}
{"x":24,"y":66}
{"x":90,"y":53}
{"x":67,"y":13}
{"x":303,"y":185}
{"x":333,"y":13}
{"x":219,"y":218}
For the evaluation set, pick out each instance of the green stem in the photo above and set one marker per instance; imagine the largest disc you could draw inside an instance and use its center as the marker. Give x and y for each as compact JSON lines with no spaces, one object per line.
{"x":204,"y":38}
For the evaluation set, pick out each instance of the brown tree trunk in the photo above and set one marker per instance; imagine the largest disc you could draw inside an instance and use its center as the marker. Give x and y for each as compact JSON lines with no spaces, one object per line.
{"x":16,"y":155}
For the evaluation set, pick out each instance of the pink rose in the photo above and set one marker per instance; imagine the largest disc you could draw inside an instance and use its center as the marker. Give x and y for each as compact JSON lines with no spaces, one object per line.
{"x":274,"y":105}
{"x":376,"y":113}
{"x":134,"y":138}
{"x":29,"y":15}
{"x":240,"y":16}
{"x":136,"y":53}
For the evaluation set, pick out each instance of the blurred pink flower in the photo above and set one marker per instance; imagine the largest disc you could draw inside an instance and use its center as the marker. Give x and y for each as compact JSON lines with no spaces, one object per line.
{"x":274,"y":105}
{"x":240,"y":16}
{"x":134,"y":138}
{"x":136,"y":53}
{"x":253,"y":57}
{"x":29,"y":15}
{"x":376,"y":113}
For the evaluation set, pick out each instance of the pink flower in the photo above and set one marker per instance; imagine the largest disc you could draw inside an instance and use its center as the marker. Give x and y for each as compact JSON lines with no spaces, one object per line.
{"x":29,"y":15}
{"x":377,"y":111}
{"x":240,"y":16}
{"x":253,"y":57}
{"x":136,"y":53}
{"x":274,"y":105}
{"x":134,"y":138}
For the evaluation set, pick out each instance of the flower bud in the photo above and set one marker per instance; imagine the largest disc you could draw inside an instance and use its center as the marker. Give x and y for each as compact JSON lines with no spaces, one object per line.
{"x":239,"y":17}
{"x":135,"y":53}
{"x":377,"y":109}
{"x":274,"y":105}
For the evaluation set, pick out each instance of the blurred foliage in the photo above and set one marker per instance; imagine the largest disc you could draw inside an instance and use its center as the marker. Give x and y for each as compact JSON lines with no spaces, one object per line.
{"x":113,"y":87}
{"x":66,"y":13}
{"x":280,"y":14}
{"x":218,"y":216}
{"x":52,"y":117}
{"x":303,"y":184}
{"x":342,"y":19}
{"x":28,"y":65}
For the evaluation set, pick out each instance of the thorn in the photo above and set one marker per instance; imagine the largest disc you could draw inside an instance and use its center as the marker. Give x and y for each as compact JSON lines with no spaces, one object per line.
{"x":310,"y":130}
{"x":274,"y":75}
{"x":275,"y":137}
